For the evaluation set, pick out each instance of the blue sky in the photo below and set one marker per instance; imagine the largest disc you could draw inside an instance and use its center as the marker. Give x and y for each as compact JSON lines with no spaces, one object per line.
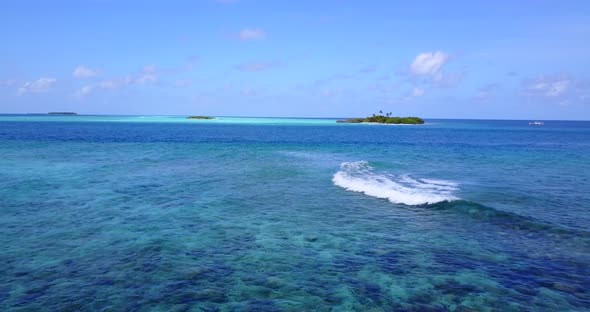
{"x":460,"y":59}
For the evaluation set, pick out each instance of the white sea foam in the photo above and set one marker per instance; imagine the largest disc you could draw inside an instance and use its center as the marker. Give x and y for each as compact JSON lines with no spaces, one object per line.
{"x":359,"y":176}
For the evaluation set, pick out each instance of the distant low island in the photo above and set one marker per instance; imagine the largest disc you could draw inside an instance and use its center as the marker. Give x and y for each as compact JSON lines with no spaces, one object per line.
{"x":62,"y":113}
{"x":200,"y":117}
{"x":385,"y":119}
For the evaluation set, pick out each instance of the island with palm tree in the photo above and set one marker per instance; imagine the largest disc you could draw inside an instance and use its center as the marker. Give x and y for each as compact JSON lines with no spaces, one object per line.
{"x":385,"y":119}
{"x":200,"y":117}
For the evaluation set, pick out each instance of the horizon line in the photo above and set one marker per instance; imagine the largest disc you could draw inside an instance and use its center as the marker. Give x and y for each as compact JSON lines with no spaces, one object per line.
{"x":287,"y":117}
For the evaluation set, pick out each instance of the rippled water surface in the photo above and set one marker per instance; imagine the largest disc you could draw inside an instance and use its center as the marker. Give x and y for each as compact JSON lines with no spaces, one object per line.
{"x":124,"y":213}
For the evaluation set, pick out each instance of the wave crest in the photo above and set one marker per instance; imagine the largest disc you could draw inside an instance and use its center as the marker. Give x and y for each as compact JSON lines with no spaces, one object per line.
{"x":359,"y":176}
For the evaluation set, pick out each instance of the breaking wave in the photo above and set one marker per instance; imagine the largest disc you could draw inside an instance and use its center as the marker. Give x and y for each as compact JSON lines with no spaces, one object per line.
{"x":359,"y":176}
{"x":438,"y":195}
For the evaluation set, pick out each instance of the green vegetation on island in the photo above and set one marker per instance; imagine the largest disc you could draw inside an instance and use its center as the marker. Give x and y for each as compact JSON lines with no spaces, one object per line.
{"x":385,"y":119}
{"x":62,"y":113}
{"x":200,"y":117}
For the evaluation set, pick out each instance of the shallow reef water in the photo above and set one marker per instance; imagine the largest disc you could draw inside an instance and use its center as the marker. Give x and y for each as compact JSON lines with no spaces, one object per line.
{"x":120,"y":214}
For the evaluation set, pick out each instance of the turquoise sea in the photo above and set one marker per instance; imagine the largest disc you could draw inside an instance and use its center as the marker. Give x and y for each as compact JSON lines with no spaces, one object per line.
{"x":161,"y":213}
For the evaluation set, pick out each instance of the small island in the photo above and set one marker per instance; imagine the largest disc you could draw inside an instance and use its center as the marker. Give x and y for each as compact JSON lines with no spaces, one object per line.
{"x":200,"y":117}
{"x":62,"y":113}
{"x":385,"y":119}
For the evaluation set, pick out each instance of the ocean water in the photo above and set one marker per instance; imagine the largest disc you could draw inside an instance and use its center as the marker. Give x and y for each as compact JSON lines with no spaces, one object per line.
{"x":146,"y":213}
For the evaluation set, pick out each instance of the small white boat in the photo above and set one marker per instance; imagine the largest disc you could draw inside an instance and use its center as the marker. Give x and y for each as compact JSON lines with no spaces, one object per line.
{"x":536,"y":123}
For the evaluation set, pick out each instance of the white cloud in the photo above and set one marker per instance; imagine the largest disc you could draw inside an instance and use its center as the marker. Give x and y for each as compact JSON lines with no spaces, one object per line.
{"x":429,"y":63}
{"x":38,"y":86}
{"x":115,"y":83}
{"x":84,"y":72}
{"x":549,"y":86}
{"x":147,"y":76}
{"x":251,"y":34}
{"x":108,"y":84}
{"x":416,"y":92}
{"x":427,"y":67}
{"x":559,"y":89}
{"x":84,"y":90}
